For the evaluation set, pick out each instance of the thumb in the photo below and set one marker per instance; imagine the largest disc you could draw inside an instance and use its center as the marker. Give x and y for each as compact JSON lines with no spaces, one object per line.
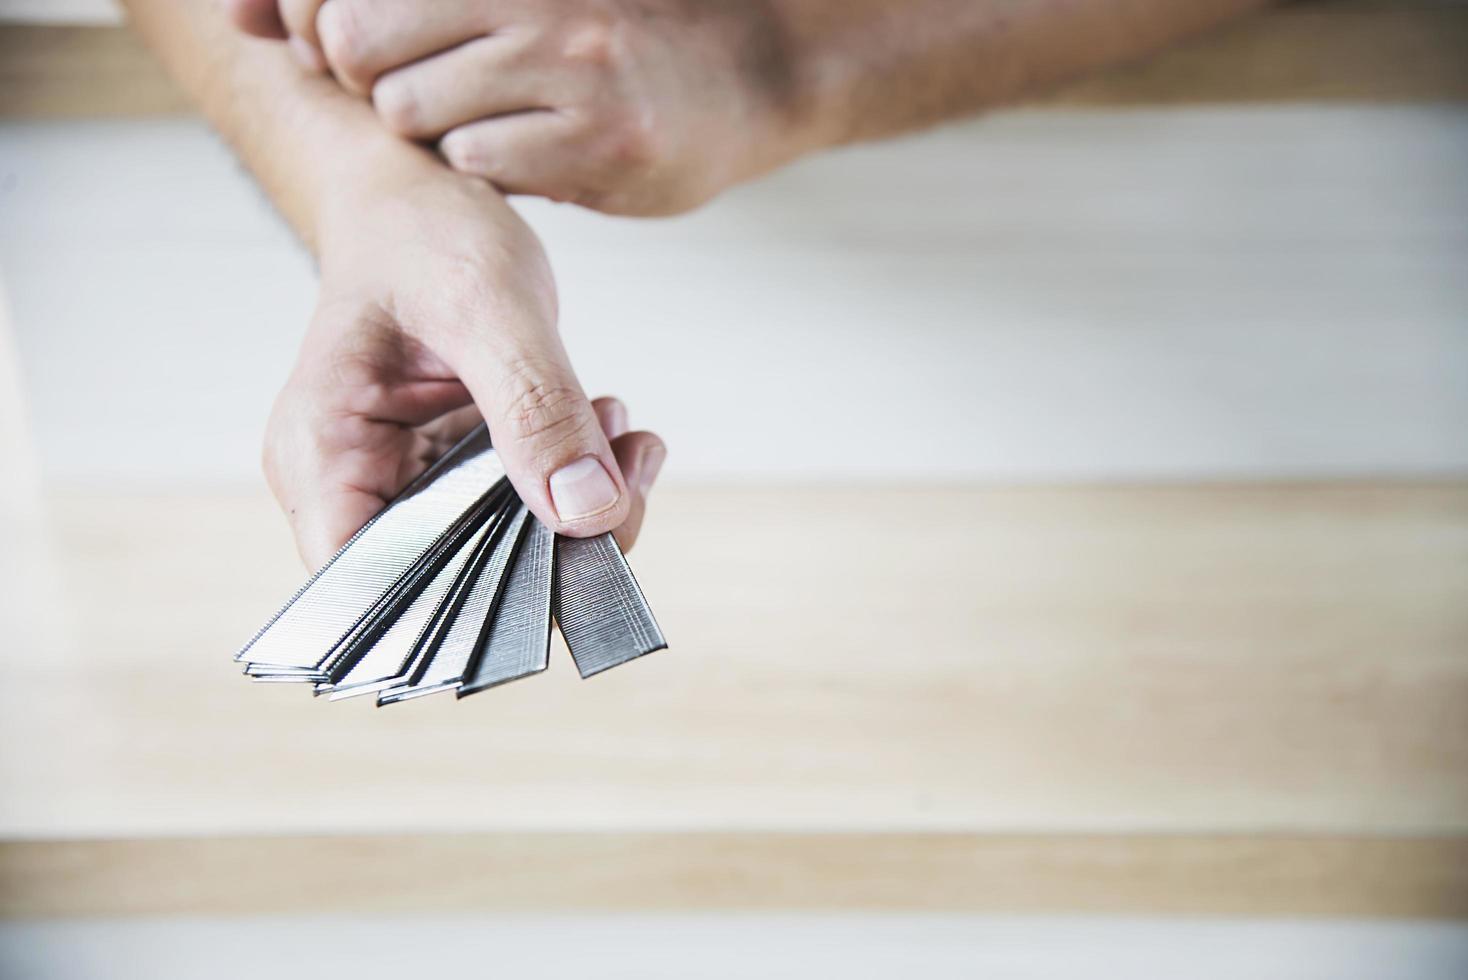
{"x":546,"y":432}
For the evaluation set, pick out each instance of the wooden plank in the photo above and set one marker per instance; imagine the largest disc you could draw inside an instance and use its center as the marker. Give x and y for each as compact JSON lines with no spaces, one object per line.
{"x":1284,"y":659}
{"x":1341,"y":50}
{"x":1317,"y":52}
{"x":691,"y":872}
{"x":81,"y":72}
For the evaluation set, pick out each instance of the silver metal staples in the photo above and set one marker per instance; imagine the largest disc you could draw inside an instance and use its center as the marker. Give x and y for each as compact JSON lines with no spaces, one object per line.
{"x":487,"y":510}
{"x":599,"y":606}
{"x":386,"y":661}
{"x":382,"y":613}
{"x":454,"y":586}
{"x":518,"y":640}
{"x":442,"y":667}
{"x":310,"y":627}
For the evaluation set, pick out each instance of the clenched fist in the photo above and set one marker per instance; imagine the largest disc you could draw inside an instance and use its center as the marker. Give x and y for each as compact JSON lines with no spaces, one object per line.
{"x":437,"y":308}
{"x":640,"y":107}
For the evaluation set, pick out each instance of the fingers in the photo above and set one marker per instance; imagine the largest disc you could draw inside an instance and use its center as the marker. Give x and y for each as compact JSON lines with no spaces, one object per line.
{"x":330,"y":473}
{"x":612,"y":415}
{"x":525,"y":153}
{"x":299,"y":18}
{"x":290,"y":20}
{"x":640,"y":456}
{"x":364,"y":38}
{"x":329,"y":521}
{"x":333,"y":466}
{"x":332,"y":469}
{"x":364,"y":411}
{"x":481,"y":78}
{"x":260,"y":18}
{"x":550,"y":438}
{"x":328,"y":513}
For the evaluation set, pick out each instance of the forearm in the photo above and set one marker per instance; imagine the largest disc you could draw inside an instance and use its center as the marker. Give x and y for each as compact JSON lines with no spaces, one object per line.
{"x":301,"y":135}
{"x":874,"y":68}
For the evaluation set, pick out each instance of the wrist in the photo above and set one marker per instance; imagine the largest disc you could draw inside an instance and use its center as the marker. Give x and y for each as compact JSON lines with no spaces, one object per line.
{"x":445,"y":252}
{"x":381,"y":170}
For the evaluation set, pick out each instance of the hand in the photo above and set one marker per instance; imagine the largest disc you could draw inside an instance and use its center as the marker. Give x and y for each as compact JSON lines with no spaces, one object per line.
{"x":626,"y":106}
{"x":436,"y":304}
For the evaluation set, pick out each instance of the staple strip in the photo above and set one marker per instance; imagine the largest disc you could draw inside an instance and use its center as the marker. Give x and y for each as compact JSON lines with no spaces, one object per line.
{"x":454,"y":585}
{"x":332,"y":602}
{"x":471,"y":444}
{"x":463,"y":591}
{"x":386,"y":661}
{"x":599,"y":606}
{"x":487,"y":510}
{"x":374,"y":622}
{"x":443,"y":668}
{"x":518,"y":640}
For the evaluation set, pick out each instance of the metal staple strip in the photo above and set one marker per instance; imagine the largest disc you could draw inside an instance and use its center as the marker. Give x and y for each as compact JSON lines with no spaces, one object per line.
{"x":517,"y":643}
{"x":332,"y":602}
{"x":443,"y":668}
{"x":600,"y":608}
{"x":374,"y":621}
{"x":472,"y":443}
{"x":391,"y":656}
{"x":486,"y":512}
{"x":463,"y":594}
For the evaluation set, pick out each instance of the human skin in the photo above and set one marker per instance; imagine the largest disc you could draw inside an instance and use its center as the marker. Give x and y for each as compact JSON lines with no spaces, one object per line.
{"x":650,"y":107}
{"x":436,"y":305}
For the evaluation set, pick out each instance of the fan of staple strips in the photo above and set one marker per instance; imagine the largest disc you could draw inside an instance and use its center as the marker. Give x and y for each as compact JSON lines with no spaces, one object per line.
{"x":454,"y":587}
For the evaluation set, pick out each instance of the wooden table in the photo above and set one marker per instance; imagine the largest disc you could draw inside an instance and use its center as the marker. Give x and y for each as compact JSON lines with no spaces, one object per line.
{"x":1184,"y":699}
{"x":1331,"y":50}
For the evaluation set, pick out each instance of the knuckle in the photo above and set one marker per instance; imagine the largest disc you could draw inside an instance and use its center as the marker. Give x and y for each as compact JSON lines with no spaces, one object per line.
{"x":467,"y":153}
{"x":360,"y":392}
{"x":298,"y":16}
{"x":592,"y":41}
{"x":632,"y":141}
{"x":344,"y":38}
{"x":541,"y":412}
{"x":397,"y":106}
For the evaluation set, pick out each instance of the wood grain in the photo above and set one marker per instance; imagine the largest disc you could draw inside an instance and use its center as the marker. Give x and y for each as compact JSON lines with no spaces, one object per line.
{"x":1353,"y":50}
{"x":1215,"y":698}
{"x":1193,"y":659}
{"x":690,"y":872}
{"x":1328,"y":51}
{"x":80,"y":72}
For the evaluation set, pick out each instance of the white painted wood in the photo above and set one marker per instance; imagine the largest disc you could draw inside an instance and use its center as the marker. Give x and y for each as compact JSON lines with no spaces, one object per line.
{"x":715,"y":947}
{"x":1148,"y":294}
{"x":60,"y":11}
{"x":31,"y":605}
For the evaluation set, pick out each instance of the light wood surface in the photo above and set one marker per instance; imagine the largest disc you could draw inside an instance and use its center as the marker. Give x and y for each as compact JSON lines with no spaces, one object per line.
{"x":1359,"y":50}
{"x":1272,"y":679}
{"x":681,"y":872}
{"x":1329,"y":50}
{"x":1211,"y":699}
{"x":1225,"y":659}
